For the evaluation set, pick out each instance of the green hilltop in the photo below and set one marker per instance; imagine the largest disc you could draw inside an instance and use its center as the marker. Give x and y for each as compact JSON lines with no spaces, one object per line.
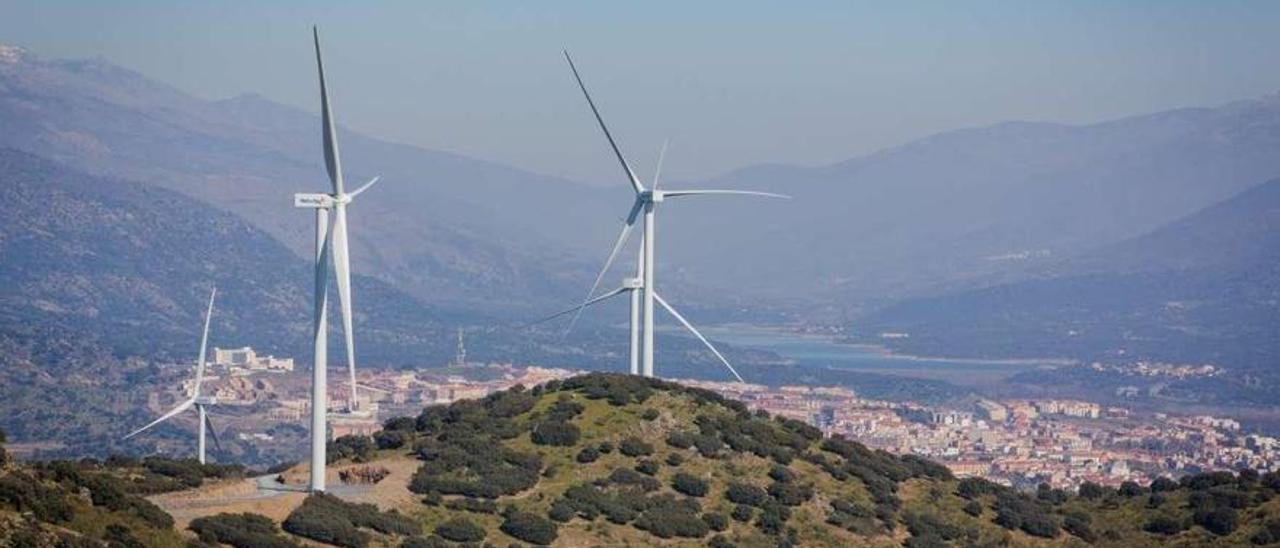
{"x":604,"y":459}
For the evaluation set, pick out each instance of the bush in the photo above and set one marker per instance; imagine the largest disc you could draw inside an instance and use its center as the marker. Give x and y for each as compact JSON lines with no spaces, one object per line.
{"x":635,"y":447}
{"x":1078,"y":524}
{"x":555,"y":432}
{"x":605,"y":447}
{"x":561,"y":511}
{"x":588,"y":455}
{"x":742,"y":512}
{"x":717,"y":522}
{"x":791,"y":494}
{"x":650,"y":414}
{"x":675,"y":459}
{"x":667,"y":517}
{"x":973,"y":508}
{"x":460,"y":530}
{"x":1163,"y":525}
{"x":719,"y":541}
{"x":1131,"y":489}
{"x":326,"y":518}
{"x":689,"y":484}
{"x":530,"y":528}
{"x":391,"y":439}
{"x":745,"y":493}
{"x":1162,"y":484}
{"x":1092,"y":491}
{"x":680,"y":439}
{"x":356,"y":448}
{"x":240,"y":530}
{"x":1219,"y":521}
{"x":647,"y":467}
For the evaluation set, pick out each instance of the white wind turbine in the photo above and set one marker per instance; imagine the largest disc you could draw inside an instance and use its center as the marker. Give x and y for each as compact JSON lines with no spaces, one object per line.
{"x":643,"y":292}
{"x":197,"y":400}
{"x":323,"y":204}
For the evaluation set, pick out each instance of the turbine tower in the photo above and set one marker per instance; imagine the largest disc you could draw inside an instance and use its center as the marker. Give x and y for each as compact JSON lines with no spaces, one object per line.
{"x":642,"y":289}
{"x":330,"y":241}
{"x":196,"y":400}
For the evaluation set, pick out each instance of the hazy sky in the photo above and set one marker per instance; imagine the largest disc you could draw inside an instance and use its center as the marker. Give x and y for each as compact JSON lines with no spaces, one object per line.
{"x":731,"y":83}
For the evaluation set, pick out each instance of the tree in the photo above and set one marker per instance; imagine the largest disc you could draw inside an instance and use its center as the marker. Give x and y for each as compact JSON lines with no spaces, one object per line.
{"x":1219,"y":521}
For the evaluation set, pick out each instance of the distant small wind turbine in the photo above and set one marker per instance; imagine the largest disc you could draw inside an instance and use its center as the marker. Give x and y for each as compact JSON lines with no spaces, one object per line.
{"x":197,"y":400}
{"x":323,"y":203}
{"x":642,"y":290}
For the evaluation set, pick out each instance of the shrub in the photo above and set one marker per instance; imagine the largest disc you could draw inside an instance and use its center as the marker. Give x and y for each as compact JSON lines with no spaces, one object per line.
{"x":475,"y":506}
{"x":1163,"y":525}
{"x":973,"y":508}
{"x":623,"y":476}
{"x":356,"y":448}
{"x":675,"y":459}
{"x":326,"y":518}
{"x":745,"y":493}
{"x":1219,"y":521}
{"x":719,"y":541}
{"x":561,"y":511}
{"x":650,"y":414}
{"x":742,"y":512}
{"x":635,"y":447}
{"x":605,"y":447}
{"x":1130,"y":489}
{"x":680,"y":439}
{"x":530,"y":528}
{"x":460,"y":530}
{"x":689,"y":484}
{"x":781,"y":473}
{"x":391,"y":439}
{"x":554,"y":432}
{"x":239,"y":530}
{"x":1092,"y":491}
{"x":1078,"y":524}
{"x":647,"y":467}
{"x":667,"y":517}
{"x":717,"y":522}
{"x":791,"y":494}
{"x":1162,"y":484}
{"x":588,"y":455}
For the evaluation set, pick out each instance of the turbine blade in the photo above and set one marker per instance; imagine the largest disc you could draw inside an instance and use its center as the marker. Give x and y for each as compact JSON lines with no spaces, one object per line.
{"x":180,"y":408}
{"x":695,"y":332}
{"x":662,"y":154}
{"x":342,"y":271}
{"x":364,"y":187}
{"x":617,"y":246}
{"x":204,"y":342}
{"x":675,"y":193}
{"x":332,"y":162}
{"x":575,"y":308}
{"x":631,"y":175}
{"x":212,"y":433}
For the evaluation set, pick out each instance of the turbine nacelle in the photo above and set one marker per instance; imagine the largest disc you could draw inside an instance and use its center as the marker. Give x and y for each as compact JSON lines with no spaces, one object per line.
{"x":651,"y":196}
{"x":632,"y":283}
{"x":313,"y":200}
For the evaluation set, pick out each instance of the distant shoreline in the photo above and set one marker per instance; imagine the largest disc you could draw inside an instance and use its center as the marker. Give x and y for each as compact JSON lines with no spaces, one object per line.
{"x":888,"y":353}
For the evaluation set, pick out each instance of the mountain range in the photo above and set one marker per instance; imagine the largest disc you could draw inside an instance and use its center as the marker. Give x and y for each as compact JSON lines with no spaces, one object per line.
{"x":1204,"y":289}
{"x":957,"y":210}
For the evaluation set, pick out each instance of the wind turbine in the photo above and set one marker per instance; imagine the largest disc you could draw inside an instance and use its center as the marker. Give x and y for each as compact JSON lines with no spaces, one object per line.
{"x":329,"y":240}
{"x":642,"y":289}
{"x":196,"y":400}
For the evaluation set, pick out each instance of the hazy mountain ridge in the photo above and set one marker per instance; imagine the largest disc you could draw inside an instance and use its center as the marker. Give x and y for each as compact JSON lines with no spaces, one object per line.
{"x":1203,"y":289}
{"x":428,"y":226}
{"x":960,"y":209}
{"x":973,"y":207}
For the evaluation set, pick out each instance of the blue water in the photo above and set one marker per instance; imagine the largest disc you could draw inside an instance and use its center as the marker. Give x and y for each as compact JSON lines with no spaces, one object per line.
{"x":821,"y":351}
